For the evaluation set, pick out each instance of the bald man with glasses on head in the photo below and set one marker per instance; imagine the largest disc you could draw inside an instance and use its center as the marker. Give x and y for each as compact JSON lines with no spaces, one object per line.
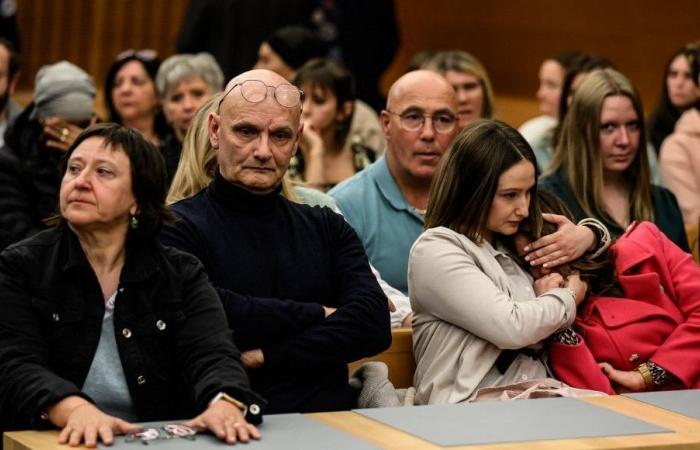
{"x":294,"y":280}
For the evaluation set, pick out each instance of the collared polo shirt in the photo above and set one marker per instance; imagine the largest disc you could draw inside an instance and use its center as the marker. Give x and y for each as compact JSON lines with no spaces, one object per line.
{"x":373,"y":204}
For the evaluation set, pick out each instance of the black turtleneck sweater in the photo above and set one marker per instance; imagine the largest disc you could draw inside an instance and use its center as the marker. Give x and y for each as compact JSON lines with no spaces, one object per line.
{"x":275,"y":263}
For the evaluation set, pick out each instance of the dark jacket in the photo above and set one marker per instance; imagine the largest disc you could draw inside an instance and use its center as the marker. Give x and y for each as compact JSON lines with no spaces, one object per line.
{"x":275,"y":264}
{"x":172,"y":336}
{"x":667,"y":213}
{"x":29,"y":180}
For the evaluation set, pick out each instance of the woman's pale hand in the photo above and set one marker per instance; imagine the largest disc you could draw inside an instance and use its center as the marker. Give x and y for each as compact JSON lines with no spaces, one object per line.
{"x":312,"y":148}
{"x":627,"y":380}
{"x":547,"y":283}
{"x":85,"y":423}
{"x":568,"y":243}
{"x":579,"y":287}
{"x":311,"y":143}
{"x":226,"y":421}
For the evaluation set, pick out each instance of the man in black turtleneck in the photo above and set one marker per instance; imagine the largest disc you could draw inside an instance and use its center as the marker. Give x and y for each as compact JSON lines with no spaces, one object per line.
{"x":294,"y":280}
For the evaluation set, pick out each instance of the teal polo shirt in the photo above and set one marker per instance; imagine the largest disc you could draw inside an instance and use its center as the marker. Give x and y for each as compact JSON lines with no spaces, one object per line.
{"x":387,"y":225}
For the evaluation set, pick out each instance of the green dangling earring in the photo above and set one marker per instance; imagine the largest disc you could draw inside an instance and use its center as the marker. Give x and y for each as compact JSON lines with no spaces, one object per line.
{"x":134,"y":222}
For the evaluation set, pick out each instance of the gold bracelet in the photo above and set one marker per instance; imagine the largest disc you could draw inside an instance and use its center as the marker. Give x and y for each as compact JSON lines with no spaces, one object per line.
{"x":648,"y":378}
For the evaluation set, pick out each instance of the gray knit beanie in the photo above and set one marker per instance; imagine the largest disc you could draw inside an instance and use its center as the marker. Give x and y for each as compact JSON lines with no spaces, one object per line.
{"x":63,"y":90}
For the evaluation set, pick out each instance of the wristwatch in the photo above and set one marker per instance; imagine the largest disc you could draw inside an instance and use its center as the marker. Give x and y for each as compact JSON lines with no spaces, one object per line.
{"x":224,"y":396}
{"x":645,"y":371}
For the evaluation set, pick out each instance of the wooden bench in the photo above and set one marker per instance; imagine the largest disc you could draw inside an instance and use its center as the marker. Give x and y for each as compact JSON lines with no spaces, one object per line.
{"x":398,"y":357}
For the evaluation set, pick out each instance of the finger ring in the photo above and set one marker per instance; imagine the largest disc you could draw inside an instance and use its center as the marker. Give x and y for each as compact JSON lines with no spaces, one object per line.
{"x":64,"y":131}
{"x":62,"y":138}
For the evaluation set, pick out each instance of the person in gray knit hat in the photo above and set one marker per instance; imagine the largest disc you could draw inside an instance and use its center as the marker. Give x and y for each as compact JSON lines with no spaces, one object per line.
{"x":63,"y":105}
{"x":64,"y":99}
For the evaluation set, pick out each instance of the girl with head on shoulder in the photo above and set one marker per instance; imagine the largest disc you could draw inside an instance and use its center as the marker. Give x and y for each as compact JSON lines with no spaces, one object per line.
{"x":601,"y":168}
{"x":476,"y":324}
{"x":103,"y":325}
{"x":629,"y":335}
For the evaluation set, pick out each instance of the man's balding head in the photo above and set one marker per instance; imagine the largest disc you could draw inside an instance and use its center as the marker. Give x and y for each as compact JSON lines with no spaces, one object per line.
{"x":270,"y":78}
{"x":413,"y":155}
{"x":418,"y":81}
{"x":256,"y":136}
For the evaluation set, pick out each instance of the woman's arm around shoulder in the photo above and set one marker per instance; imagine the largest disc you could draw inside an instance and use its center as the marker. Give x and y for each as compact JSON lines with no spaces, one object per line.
{"x":460,"y":282}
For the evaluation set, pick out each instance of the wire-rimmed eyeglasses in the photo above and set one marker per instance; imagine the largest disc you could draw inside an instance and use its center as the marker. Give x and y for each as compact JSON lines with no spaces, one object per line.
{"x":413,"y":120}
{"x":255,"y":91}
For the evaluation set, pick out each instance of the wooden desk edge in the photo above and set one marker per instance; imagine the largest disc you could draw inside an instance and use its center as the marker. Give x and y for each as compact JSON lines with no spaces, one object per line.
{"x":32,"y":440}
{"x":647,"y":413}
{"x":684,"y":434}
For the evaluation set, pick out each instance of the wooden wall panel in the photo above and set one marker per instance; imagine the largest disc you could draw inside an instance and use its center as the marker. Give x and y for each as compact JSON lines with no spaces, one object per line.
{"x":90,"y":33}
{"x":511,"y":37}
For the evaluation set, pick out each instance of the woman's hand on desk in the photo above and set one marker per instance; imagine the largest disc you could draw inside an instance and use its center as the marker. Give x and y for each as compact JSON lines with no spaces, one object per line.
{"x":81,"y":421}
{"x":226,"y":421}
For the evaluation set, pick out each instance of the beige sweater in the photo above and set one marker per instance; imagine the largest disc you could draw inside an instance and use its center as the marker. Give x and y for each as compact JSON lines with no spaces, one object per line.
{"x":680,"y":164}
{"x":469,"y":302}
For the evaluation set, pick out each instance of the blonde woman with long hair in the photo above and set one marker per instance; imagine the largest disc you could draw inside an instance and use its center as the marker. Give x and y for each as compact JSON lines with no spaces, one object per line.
{"x":598,"y":169}
{"x":470,"y":81}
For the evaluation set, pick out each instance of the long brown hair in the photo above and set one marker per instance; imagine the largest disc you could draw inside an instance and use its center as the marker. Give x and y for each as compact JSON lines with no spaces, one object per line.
{"x":467,"y":178}
{"x":578,"y":148}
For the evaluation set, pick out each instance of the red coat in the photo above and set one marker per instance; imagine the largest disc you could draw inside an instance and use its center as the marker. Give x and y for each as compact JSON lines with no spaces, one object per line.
{"x":658,"y":320}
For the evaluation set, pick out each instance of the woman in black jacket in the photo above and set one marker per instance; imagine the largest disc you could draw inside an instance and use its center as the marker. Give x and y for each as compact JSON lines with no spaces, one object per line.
{"x":101,"y":325}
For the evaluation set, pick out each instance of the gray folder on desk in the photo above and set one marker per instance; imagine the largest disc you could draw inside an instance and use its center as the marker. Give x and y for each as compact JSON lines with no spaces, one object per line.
{"x":513,"y":421}
{"x":685,"y":402}
{"x":287,"y":431}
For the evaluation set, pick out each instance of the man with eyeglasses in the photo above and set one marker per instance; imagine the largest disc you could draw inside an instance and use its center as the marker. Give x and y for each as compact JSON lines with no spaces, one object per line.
{"x":294,"y":280}
{"x":386,"y":202}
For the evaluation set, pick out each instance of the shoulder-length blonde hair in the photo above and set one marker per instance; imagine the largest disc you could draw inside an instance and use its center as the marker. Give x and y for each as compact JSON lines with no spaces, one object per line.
{"x":578,"y":147}
{"x":461,"y":61}
{"x":198,"y":158}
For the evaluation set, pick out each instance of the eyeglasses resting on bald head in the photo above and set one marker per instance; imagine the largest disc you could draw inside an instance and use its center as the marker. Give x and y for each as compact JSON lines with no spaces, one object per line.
{"x":255,"y":91}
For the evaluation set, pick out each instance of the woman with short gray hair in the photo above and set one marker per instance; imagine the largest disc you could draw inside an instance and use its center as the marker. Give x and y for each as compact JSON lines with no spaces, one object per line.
{"x":185,"y":82}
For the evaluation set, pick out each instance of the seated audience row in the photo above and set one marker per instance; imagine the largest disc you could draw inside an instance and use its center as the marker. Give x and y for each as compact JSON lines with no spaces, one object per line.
{"x":295,"y":281}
